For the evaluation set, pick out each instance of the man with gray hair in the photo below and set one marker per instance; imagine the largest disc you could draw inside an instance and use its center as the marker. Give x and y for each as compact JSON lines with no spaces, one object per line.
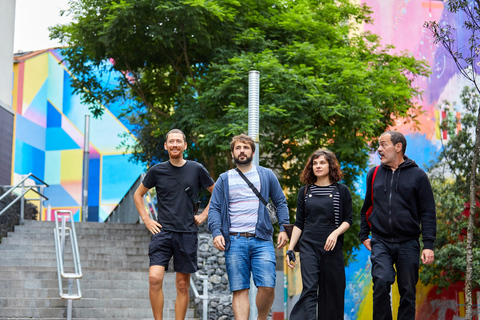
{"x":402,"y":207}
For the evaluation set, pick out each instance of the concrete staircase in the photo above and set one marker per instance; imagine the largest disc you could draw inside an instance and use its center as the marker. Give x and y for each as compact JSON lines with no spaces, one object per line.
{"x":114,"y":258}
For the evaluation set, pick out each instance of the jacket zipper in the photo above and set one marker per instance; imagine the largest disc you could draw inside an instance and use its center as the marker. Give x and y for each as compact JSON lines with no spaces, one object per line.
{"x":390,"y":205}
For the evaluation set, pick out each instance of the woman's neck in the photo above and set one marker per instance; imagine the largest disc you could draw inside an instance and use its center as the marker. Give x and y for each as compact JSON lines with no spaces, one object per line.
{"x":323,"y":182}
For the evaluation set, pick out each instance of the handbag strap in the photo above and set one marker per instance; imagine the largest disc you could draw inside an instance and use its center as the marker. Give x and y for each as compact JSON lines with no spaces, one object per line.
{"x":255,"y":190}
{"x":188,"y":190}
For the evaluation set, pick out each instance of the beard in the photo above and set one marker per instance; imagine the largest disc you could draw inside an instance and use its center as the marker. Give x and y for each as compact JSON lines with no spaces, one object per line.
{"x":247,"y":159}
{"x":175,"y":156}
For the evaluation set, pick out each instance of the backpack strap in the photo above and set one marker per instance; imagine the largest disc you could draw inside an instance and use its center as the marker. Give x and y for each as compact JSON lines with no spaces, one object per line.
{"x":369,"y":211}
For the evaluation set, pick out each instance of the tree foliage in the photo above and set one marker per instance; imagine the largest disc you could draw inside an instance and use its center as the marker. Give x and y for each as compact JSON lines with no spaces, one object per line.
{"x":185,"y":64}
{"x":450,"y":177}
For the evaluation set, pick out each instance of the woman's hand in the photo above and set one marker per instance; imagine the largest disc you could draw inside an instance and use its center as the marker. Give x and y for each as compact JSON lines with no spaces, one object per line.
{"x":290,"y":258}
{"x":331,"y":241}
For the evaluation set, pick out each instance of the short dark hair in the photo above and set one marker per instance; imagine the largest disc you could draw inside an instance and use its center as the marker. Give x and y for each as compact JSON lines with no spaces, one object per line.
{"x":397,"y":137}
{"x":176,"y":131}
{"x":335,"y":174}
{"x":243,"y":138}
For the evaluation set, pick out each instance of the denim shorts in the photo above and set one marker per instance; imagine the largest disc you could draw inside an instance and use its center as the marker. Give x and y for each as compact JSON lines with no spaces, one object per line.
{"x":182,"y":246}
{"x":250,"y":255}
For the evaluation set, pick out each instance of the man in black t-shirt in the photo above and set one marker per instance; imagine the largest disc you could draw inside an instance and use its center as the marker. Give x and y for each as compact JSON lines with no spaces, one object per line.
{"x":177,"y":183}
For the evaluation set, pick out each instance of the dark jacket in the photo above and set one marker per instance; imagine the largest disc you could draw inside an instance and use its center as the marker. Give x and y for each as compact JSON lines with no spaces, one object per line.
{"x":403,"y":205}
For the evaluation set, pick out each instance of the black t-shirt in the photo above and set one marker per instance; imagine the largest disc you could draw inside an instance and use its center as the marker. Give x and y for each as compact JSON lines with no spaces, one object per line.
{"x":175,"y":207}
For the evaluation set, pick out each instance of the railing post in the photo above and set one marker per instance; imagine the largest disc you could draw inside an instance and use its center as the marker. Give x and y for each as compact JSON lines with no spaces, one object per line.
{"x":62,"y":238}
{"x":41,"y":204}
{"x":48,"y":213}
{"x":205,"y":298}
{"x":22,"y":204}
{"x":70,"y":301}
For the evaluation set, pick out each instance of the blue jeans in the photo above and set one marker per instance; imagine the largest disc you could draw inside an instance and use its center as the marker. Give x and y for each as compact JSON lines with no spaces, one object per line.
{"x":250,"y":255}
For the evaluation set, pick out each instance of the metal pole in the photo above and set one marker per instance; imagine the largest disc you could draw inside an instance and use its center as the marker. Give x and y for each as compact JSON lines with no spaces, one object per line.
{"x":22,"y":204}
{"x":42,"y":190}
{"x":49,"y":213}
{"x":205,"y":298}
{"x":253,"y":132}
{"x":86,"y":158}
{"x":253,"y":111}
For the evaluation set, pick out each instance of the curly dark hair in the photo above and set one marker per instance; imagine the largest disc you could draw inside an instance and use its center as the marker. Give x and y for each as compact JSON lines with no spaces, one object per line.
{"x":335,"y":174}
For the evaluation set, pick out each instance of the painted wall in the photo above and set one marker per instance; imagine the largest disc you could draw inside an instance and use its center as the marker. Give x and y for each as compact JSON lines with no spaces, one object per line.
{"x":7,"y":24}
{"x":400,"y":22}
{"x":49,"y":138}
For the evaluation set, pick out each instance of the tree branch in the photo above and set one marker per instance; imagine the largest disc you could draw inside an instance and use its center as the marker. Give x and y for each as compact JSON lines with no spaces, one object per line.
{"x":174,"y":65}
{"x":140,"y":92}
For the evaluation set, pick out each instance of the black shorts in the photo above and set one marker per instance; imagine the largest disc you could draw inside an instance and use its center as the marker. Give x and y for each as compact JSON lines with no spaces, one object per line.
{"x":182,"y":246}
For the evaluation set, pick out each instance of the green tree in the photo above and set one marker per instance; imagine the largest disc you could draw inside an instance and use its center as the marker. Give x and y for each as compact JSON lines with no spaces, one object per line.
{"x":185,"y":64}
{"x":466,"y":57}
{"x":450,"y":177}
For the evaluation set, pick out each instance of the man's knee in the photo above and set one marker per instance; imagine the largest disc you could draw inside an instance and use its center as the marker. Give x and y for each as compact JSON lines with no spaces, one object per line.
{"x":239,"y":294}
{"x":266,"y":290}
{"x":183,"y":285}
{"x":382,"y":283}
{"x":155,"y":280}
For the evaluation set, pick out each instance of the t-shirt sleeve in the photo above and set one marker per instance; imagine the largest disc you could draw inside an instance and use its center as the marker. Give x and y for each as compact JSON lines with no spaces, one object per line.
{"x":149,"y":180}
{"x":204,"y":177}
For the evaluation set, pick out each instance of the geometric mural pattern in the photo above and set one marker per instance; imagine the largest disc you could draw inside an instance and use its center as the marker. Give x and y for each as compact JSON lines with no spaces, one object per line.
{"x":49,"y":138}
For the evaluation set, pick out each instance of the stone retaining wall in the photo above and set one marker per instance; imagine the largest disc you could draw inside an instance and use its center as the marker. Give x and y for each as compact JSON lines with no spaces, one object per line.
{"x":212,"y":264}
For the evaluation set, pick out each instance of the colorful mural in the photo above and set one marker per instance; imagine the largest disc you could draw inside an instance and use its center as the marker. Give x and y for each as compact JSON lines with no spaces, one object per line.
{"x":49,"y":138}
{"x":400,"y":22}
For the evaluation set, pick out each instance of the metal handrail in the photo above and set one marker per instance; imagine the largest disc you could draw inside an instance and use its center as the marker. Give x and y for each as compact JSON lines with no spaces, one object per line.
{"x":204,"y":296}
{"x":22,"y":181}
{"x":21,"y":196}
{"x":60,"y":234}
{"x":21,"y":184}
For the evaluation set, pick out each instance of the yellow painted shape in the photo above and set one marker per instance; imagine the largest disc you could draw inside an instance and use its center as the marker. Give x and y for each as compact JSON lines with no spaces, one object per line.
{"x":461,"y":304}
{"x":72,"y":165}
{"x":437,"y":125}
{"x":365,"y":311}
{"x":15,"y":87}
{"x":294,"y":278}
{"x":422,"y":294}
{"x":36,"y":72}
{"x":395,"y":299}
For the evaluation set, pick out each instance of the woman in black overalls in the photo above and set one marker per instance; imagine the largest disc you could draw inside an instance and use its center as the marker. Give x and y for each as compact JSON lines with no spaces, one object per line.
{"x":324,"y":213}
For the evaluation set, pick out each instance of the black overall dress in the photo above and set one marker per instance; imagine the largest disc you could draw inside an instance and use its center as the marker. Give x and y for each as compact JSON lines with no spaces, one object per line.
{"x":323,"y":272}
